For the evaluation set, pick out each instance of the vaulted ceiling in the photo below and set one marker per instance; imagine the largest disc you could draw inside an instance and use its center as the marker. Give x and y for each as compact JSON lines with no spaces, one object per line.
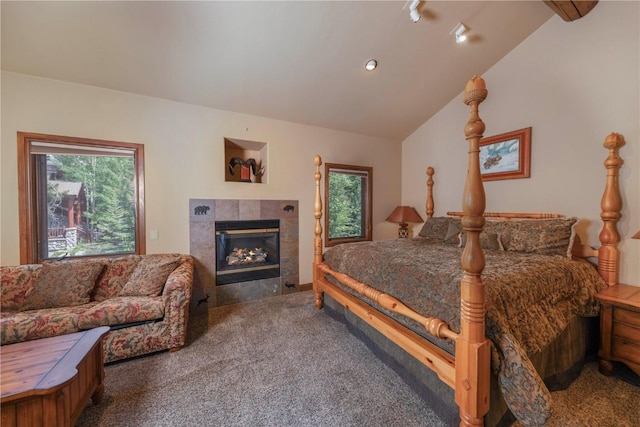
{"x":298,"y":61}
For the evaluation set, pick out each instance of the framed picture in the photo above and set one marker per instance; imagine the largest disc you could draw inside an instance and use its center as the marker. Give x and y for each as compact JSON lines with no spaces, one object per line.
{"x":506,"y":156}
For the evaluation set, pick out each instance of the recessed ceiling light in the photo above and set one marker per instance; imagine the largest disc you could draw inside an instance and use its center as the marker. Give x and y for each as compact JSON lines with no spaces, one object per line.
{"x":371,"y":65}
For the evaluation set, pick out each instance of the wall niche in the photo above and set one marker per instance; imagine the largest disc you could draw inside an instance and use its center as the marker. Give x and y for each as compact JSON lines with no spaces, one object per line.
{"x":245,"y":161}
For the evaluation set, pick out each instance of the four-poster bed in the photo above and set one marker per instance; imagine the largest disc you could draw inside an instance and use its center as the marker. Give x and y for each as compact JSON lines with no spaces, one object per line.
{"x":477,"y":329}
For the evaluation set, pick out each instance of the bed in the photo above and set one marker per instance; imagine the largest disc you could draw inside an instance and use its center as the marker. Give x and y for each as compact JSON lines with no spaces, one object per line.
{"x":487,"y":310}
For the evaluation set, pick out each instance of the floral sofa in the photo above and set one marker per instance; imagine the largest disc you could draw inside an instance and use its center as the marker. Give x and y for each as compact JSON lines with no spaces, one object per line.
{"x":144,"y":299}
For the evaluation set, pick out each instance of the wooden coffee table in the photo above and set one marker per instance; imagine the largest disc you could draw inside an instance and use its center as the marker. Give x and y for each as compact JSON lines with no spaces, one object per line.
{"x":48,"y":382}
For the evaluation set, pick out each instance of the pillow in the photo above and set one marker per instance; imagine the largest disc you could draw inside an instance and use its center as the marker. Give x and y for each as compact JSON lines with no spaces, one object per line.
{"x":435,"y":227}
{"x":62,"y":284}
{"x":453,"y":232}
{"x":544,"y":236}
{"x":150,"y":275}
{"x":121,"y":311}
{"x":488,"y":240}
{"x":14,"y":285}
{"x":115,"y":275}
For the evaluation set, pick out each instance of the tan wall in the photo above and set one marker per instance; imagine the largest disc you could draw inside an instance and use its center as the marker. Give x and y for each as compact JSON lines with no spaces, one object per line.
{"x":573,"y":83}
{"x":184,"y":150}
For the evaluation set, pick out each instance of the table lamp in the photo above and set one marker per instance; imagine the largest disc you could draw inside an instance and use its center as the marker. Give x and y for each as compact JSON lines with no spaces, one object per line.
{"x":404,"y":215}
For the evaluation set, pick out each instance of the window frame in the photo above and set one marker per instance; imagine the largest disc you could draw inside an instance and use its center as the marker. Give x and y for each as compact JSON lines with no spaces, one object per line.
{"x":27,"y":197}
{"x":367,"y":203}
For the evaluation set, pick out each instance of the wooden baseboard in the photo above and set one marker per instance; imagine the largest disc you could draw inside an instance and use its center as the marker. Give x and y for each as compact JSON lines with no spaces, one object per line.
{"x":305,"y":286}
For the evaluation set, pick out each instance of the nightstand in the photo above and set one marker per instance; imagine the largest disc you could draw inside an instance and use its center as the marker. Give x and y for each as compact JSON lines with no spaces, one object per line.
{"x":619,"y":327}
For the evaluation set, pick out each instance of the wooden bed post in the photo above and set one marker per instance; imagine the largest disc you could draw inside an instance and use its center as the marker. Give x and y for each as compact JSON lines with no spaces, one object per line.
{"x":317,"y":240}
{"x":472,"y":347}
{"x":611,"y":205}
{"x":429,"y":207}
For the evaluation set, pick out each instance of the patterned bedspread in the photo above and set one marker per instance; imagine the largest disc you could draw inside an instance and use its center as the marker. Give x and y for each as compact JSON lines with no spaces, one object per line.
{"x":530,"y":300}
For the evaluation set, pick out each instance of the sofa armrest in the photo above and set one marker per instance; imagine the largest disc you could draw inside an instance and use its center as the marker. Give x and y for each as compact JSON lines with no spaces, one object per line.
{"x":177,"y":298}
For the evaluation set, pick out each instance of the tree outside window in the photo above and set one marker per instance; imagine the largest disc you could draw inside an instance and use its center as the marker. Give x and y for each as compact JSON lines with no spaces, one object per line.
{"x":79,"y":197}
{"x":348,"y":191}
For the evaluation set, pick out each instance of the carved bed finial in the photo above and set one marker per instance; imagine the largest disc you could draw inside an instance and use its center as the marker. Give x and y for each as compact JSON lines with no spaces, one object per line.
{"x":429,"y":207}
{"x":611,"y":204}
{"x":475,"y":90}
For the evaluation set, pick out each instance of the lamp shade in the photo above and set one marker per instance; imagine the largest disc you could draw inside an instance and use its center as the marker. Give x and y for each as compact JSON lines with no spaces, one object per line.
{"x":404,"y":214}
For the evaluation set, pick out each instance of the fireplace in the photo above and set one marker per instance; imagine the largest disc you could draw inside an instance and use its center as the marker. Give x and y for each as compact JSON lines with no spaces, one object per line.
{"x":208,"y":216}
{"x":247,"y":250}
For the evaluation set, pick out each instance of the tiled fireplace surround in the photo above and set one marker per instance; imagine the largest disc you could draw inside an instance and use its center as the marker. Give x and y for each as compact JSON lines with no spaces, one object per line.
{"x":203,"y":213}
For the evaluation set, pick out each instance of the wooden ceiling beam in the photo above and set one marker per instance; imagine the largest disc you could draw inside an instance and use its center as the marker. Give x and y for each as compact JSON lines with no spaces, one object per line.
{"x":570,"y":10}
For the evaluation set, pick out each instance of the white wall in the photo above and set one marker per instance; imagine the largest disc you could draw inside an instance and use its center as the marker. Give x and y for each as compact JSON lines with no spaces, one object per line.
{"x":573,"y":83}
{"x":184,"y":156}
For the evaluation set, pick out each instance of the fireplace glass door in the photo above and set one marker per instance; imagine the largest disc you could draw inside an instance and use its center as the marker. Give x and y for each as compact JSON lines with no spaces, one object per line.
{"x":247,"y":250}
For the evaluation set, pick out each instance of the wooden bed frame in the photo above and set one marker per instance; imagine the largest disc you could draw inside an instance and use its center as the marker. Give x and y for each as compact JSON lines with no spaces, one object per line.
{"x":468,"y":373}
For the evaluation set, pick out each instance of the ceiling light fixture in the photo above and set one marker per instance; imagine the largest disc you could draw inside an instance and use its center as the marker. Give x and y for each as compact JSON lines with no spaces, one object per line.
{"x":371,"y":65}
{"x":413,"y":11}
{"x":459,"y":32}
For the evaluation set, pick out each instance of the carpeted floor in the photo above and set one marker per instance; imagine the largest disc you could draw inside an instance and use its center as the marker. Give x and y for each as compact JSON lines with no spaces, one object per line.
{"x":279,"y":362}
{"x":594,"y":400}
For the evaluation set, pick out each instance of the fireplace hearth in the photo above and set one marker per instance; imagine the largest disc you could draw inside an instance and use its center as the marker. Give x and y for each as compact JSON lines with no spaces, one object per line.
{"x":247,"y":250}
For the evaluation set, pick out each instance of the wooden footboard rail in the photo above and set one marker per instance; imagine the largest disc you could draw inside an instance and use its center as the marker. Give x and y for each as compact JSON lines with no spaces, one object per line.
{"x":436,"y":359}
{"x":433,"y":325}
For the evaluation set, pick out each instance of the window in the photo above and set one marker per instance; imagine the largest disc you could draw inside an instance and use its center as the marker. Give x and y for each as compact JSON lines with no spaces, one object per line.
{"x":348,"y":192}
{"x":79,"y":197}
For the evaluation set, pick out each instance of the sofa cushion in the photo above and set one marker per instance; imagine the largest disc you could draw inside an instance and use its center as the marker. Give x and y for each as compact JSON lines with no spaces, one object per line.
{"x":35,"y":324}
{"x":136,"y":340}
{"x":115,"y":275}
{"x":122,"y":310}
{"x":14,"y":284}
{"x":62,"y":284}
{"x":150,"y":275}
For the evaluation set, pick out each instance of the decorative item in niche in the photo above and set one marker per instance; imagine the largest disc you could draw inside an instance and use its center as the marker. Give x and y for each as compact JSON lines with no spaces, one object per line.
{"x":506,"y":156}
{"x":289,"y":208}
{"x":246,"y":168}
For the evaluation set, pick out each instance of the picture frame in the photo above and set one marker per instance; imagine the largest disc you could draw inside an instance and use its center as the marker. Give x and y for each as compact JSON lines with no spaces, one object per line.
{"x":506,"y":156}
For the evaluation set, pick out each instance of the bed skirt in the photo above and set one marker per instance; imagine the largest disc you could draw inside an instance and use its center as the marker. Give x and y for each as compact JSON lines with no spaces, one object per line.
{"x":559,"y":364}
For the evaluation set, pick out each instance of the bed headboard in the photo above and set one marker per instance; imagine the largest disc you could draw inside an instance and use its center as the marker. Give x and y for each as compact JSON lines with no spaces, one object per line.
{"x":607,"y":254}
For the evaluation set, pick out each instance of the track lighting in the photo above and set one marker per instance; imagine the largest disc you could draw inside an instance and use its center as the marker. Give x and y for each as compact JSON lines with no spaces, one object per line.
{"x":413,"y":11}
{"x":459,"y":32}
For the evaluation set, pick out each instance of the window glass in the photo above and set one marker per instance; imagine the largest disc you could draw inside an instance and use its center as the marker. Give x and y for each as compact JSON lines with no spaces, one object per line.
{"x":80,"y":197}
{"x":348,"y":191}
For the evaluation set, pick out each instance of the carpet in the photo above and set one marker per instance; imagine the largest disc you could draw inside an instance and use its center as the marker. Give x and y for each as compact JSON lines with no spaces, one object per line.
{"x":273,"y":362}
{"x":279,"y":362}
